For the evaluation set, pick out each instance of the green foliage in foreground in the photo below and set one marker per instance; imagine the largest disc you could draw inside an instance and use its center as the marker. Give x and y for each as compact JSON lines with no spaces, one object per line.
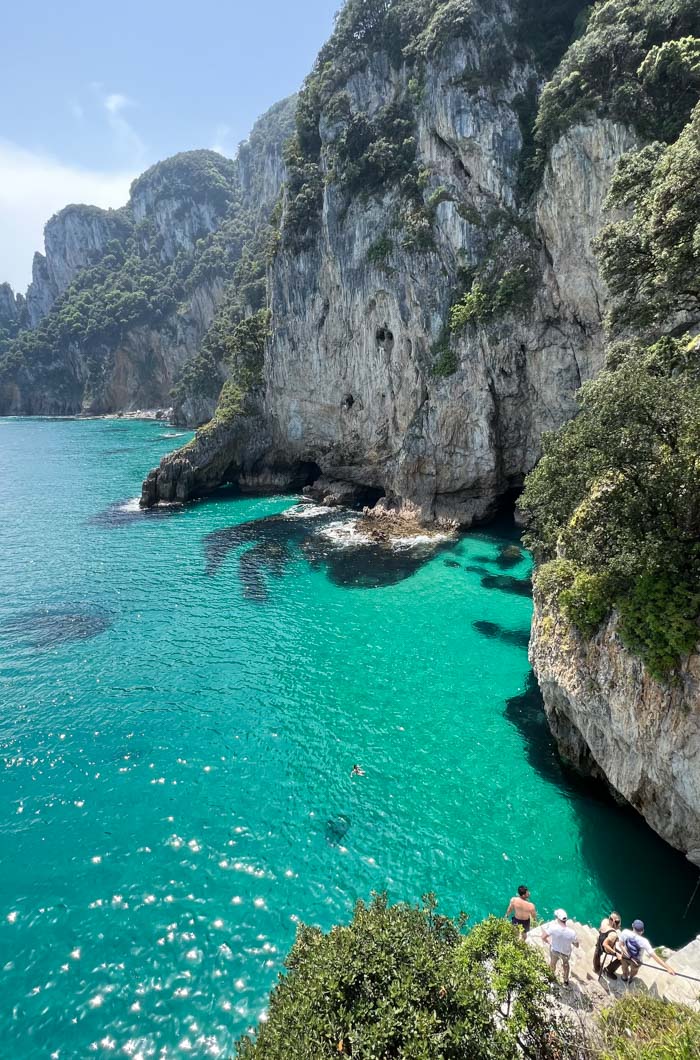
{"x":401,"y":981}
{"x":614,"y":504}
{"x":640,"y":1027}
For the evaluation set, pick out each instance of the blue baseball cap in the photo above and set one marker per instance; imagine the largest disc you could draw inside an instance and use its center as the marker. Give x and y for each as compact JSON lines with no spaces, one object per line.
{"x":638,"y":926}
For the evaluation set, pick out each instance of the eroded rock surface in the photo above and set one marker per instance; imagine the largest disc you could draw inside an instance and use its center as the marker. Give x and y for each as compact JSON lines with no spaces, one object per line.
{"x":612,"y":720}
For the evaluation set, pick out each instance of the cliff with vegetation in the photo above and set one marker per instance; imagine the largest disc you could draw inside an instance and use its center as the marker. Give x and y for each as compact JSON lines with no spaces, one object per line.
{"x":614,"y":505}
{"x":433,"y":302}
{"x":133,"y":308}
{"x":487,"y":235}
{"x":459,"y":252}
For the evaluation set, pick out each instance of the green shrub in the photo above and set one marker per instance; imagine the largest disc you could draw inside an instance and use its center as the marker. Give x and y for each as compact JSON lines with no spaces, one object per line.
{"x":380,"y":251}
{"x":485,"y":300}
{"x":553,"y":578}
{"x":586,"y":602}
{"x":614,"y":502}
{"x":659,"y":621}
{"x":400,"y":981}
{"x":641,"y":1027}
{"x":619,"y":68}
{"x":446,"y":362}
{"x":471,"y":308}
{"x":649,"y":259}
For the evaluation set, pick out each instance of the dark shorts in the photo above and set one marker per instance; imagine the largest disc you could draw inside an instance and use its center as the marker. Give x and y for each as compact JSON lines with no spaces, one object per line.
{"x":524,"y":924}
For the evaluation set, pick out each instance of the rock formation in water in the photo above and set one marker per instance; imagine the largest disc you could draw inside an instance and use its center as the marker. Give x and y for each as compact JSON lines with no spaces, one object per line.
{"x":124,"y":302}
{"x":613,"y":720}
{"x":406,"y":196}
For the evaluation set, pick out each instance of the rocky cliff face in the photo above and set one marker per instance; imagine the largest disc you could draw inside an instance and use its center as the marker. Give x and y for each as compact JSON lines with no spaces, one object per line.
{"x":353,"y":385}
{"x":73,"y":238}
{"x":612,"y":720}
{"x":122,"y":300}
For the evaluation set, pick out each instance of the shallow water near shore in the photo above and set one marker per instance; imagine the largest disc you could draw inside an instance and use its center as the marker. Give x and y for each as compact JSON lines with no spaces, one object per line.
{"x":184,"y":694}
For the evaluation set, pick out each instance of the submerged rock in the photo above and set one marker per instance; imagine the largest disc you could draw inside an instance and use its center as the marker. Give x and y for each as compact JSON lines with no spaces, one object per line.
{"x":48,"y":627}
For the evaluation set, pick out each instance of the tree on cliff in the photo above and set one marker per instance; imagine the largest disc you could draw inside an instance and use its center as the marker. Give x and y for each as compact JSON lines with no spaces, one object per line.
{"x":401,"y":981}
{"x":614,"y":504}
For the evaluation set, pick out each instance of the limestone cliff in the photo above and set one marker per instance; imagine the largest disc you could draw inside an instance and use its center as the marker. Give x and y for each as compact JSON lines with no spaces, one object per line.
{"x":73,"y":238}
{"x":613,"y":720}
{"x":122,"y":301}
{"x":362,"y":380}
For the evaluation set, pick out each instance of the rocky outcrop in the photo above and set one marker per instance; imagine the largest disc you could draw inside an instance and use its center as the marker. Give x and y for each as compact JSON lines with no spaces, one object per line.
{"x":73,"y":238}
{"x":10,"y":308}
{"x":352,"y":380}
{"x":614,"y":721}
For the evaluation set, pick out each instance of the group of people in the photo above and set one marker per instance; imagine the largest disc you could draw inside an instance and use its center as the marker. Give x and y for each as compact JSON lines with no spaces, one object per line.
{"x":615,"y":947}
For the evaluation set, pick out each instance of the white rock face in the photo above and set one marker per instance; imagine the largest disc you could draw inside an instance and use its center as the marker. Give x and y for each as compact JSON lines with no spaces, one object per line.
{"x":349,"y":380}
{"x":612,"y":719}
{"x":73,"y":238}
{"x":581,"y":163}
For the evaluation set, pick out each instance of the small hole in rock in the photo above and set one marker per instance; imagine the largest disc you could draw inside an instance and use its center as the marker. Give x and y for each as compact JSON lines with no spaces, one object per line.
{"x":348,"y":401}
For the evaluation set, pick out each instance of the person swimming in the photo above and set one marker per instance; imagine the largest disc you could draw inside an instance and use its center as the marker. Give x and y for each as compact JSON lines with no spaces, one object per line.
{"x":357,"y":772}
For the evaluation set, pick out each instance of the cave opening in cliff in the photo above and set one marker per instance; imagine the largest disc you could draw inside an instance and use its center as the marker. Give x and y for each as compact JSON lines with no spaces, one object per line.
{"x":385,"y":339}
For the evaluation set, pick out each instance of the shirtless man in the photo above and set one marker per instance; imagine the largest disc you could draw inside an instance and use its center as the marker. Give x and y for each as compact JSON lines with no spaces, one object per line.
{"x":522,"y":909}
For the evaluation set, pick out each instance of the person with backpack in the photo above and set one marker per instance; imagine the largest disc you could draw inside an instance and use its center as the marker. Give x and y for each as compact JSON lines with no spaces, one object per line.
{"x":608,"y":935}
{"x":633,"y":947}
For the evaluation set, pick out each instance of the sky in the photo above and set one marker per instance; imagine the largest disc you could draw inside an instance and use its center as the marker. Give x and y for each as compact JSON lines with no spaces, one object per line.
{"x":94,"y":94}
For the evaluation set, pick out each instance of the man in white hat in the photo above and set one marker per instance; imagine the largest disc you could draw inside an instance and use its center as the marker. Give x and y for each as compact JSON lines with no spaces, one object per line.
{"x":561,"y":939}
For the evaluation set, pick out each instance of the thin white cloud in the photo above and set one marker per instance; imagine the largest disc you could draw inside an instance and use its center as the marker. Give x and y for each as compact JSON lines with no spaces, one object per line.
{"x":222,"y":133}
{"x":127,"y":141}
{"x":115,"y":102}
{"x":34,"y":186}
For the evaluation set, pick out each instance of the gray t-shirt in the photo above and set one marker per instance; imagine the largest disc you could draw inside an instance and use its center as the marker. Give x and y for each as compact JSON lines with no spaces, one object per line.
{"x":562,"y":938}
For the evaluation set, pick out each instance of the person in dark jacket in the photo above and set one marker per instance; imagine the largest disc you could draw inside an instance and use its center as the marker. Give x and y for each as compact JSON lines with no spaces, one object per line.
{"x":608,"y":934}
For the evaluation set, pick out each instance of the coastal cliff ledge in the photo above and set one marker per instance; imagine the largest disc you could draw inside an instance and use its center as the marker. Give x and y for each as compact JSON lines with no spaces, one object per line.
{"x":613,"y":720}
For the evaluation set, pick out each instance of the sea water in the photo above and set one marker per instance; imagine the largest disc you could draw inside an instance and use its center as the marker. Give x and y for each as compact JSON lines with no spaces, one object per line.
{"x":184,"y":694}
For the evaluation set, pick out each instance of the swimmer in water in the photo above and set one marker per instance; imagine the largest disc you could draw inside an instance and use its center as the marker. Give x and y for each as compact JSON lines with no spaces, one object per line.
{"x":357,"y":772}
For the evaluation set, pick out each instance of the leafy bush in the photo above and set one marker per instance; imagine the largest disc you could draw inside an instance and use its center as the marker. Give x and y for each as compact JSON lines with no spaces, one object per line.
{"x":659,"y":620}
{"x":446,"y":362}
{"x":380,"y":251}
{"x":641,"y":1027}
{"x":615,"y":502}
{"x":650,"y":260}
{"x":586,"y":602}
{"x":400,"y":981}
{"x":471,"y":308}
{"x":617,"y":68}
{"x":482,"y":302}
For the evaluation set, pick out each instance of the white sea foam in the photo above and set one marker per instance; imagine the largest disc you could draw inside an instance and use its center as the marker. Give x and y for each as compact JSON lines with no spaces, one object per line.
{"x":344,"y":534}
{"x":305,"y":511}
{"x":131,"y":506}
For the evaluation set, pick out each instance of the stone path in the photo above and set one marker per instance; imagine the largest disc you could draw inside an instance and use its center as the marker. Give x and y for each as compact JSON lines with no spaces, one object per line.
{"x":587,"y":993}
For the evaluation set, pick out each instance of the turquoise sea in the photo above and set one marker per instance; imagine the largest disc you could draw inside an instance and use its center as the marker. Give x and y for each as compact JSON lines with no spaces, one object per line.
{"x":183,"y":696}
